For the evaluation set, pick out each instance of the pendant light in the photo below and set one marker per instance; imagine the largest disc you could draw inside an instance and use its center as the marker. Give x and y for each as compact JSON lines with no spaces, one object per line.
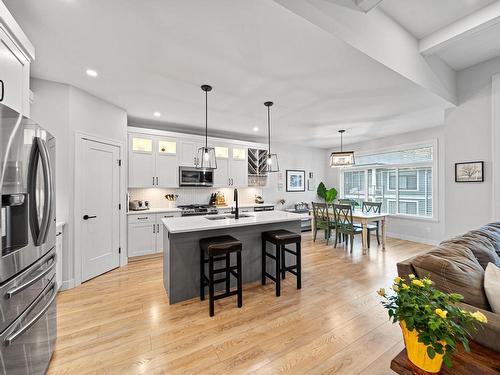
{"x":206,"y":155}
{"x":342,"y":158}
{"x":272,"y":164}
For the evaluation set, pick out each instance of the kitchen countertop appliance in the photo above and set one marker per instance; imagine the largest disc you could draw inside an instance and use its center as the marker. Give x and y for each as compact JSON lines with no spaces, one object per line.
{"x":198,"y":209}
{"x":28,"y":263}
{"x":190,"y":176}
{"x":138,"y":205}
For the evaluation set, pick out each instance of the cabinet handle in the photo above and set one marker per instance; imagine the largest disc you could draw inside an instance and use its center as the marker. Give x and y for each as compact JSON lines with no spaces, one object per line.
{"x":156,"y":181}
{"x":3,"y":89}
{"x":153,"y":180}
{"x":157,"y":228}
{"x":154,"y":227}
{"x":142,"y":218}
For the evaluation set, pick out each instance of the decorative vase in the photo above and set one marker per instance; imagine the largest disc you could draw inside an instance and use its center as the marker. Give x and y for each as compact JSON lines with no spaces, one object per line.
{"x":417,"y":352}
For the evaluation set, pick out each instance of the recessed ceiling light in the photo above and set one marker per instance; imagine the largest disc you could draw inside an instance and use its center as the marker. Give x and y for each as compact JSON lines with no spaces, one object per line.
{"x":255,"y":128}
{"x":91,"y":73}
{"x":156,"y":114}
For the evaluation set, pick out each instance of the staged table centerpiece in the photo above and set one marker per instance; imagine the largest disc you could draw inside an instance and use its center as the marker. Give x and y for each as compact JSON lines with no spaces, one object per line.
{"x":432,"y":324}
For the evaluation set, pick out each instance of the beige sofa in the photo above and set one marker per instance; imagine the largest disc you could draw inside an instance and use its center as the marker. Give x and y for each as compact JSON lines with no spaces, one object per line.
{"x":457,"y":265}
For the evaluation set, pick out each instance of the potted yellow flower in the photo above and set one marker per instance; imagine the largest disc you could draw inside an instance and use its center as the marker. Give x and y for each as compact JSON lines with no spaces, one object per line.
{"x":431,"y":322}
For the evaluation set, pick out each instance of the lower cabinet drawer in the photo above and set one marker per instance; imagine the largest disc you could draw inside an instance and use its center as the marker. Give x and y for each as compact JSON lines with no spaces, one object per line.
{"x":138,"y":218}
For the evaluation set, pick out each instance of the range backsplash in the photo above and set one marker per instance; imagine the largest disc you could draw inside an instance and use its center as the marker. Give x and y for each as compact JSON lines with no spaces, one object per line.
{"x":156,"y":196}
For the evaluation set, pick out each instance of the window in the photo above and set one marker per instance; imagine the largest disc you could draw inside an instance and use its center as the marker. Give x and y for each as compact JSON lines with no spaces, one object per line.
{"x":401,"y":180}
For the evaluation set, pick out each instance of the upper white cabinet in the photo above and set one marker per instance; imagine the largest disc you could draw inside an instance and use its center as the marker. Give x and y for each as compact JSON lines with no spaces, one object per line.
{"x":16,"y":54}
{"x":189,"y":150}
{"x":153,"y":161}
{"x":155,"y":157}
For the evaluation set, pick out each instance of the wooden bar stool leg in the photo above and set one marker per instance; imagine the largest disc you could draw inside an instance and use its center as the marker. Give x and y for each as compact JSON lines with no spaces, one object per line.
{"x":211,"y":285}
{"x":299,"y":266}
{"x":240,"y":276}
{"x":264,"y":258}
{"x":228,"y":274}
{"x":202,"y":275}
{"x":278,"y":271}
{"x":283,"y":262}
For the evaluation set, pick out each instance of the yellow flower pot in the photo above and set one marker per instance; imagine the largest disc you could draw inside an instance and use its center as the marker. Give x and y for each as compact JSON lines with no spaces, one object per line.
{"x":417,"y":352}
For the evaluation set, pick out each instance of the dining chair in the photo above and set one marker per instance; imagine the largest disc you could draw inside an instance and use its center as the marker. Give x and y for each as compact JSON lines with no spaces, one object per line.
{"x":352,"y":202}
{"x":344,"y":223}
{"x":322,"y":220}
{"x":372,"y":208}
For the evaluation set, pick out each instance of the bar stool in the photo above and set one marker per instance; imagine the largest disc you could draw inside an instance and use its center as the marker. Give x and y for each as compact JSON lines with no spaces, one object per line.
{"x":280,"y":238}
{"x":218,"y":249}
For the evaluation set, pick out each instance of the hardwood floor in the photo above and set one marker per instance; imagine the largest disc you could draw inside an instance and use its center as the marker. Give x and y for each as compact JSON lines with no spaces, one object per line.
{"x":121,"y":322}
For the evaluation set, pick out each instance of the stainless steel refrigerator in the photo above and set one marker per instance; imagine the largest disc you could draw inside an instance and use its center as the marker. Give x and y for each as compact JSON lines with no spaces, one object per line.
{"x":28,"y":260}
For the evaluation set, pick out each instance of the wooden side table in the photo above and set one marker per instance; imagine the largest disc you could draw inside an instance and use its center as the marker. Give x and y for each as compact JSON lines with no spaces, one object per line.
{"x":480,"y":360}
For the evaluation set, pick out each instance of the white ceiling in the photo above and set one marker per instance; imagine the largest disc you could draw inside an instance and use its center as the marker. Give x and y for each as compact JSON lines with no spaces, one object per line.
{"x":423,"y":17}
{"x":153,"y":56}
{"x":472,"y":49}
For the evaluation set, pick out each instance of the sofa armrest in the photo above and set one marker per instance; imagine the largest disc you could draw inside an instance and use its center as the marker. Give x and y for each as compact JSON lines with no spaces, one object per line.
{"x":405,"y":268}
{"x":487,"y":334}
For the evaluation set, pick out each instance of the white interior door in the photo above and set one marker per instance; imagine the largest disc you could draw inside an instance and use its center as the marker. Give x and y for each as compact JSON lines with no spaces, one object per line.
{"x":100,"y":218}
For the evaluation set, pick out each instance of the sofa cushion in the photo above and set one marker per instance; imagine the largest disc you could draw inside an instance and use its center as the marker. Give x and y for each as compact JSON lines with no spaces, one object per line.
{"x":454,"y":269}
{"x":492,"y":286}
{"x":480,"y":245}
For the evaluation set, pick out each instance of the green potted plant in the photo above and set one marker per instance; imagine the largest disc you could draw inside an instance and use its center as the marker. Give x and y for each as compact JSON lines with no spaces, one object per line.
{"x":432,"y":324}
{"x":328,"y":195}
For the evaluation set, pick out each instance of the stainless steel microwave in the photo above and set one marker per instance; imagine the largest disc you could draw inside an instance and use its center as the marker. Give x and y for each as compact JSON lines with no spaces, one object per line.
{"x":190,"y":176}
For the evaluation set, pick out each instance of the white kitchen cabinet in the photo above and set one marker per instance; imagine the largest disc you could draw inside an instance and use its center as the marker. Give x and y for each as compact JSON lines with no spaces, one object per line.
{"x":221,"y":174}
{"x":167,"y":163}
{"x":15,"y":59}
{"x":153,"y":161}
{"x":189,"y":151}
{"x":141,"y":235}
{"x":159,"y":228}
{"x":145,"y":233}
{"x":238,"y":167}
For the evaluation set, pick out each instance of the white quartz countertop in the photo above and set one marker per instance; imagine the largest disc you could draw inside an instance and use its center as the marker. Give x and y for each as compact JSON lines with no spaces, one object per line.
{"x":201,"y":223}
{"x":154,"y":211}
{"x":175,"y":209}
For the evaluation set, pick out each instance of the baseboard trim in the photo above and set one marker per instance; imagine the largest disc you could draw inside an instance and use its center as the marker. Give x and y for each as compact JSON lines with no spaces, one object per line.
{"x":405,"y":237}
{"x":67,"y":284}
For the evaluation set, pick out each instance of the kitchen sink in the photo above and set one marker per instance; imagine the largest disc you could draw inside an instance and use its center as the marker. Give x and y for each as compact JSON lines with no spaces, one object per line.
{"x":223,"y":217}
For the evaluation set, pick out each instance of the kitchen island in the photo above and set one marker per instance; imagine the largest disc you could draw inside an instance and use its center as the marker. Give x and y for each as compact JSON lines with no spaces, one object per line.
{"x":181,"y":254}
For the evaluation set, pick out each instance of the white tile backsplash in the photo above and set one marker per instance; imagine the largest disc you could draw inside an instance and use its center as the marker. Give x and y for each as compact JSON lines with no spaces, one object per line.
{"x":156,"y":196}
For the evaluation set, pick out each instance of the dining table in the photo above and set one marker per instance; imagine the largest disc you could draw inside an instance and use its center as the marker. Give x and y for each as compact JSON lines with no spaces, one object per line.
{"x":364,"y":219}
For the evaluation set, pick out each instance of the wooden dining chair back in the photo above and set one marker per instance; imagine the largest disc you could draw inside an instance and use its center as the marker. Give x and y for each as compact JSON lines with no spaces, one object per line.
{"x":344,"y":223}
{"x":350,"y":202}
{"x":322,"y":220}
{"x":372,"y":208}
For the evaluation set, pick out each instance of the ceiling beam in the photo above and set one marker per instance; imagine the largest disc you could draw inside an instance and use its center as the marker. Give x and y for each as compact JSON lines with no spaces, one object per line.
{"x":381,"y":38}
{"x":473,"y":23}
{"x":367,"y":5}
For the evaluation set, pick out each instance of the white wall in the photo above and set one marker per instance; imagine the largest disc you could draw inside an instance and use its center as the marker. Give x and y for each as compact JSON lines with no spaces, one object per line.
{"x":301,"y":158}
{"x":65,"y":110}
{"x":420,"y":230}
{"x":469,"y":136}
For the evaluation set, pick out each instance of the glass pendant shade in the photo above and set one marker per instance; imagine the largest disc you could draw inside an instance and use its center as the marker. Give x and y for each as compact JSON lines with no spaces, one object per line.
{"x":341,"y":158}
{"x":272,"y":164}
{"x":205,"y":157}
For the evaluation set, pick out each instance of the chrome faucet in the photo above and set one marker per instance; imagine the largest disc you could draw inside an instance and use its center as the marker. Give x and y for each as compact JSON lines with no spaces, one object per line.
{"x":237,"y":210}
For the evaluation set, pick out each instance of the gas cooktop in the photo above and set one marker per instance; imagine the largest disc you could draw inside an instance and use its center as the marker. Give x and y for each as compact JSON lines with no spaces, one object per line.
{"x":197,"y":209}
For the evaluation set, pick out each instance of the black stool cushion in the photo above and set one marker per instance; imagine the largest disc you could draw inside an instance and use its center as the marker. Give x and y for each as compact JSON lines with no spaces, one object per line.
{"x":220,"y":245}
{"x":281,"y":236}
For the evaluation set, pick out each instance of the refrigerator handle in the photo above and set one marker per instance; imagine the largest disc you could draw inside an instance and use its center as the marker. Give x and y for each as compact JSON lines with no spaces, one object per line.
{"x":48,"y":189}
{"x":39,"y":152}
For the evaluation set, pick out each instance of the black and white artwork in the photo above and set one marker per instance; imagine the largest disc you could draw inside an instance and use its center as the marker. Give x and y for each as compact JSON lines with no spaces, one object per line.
{"x":295,"y":180}
{"x":469,"y":171}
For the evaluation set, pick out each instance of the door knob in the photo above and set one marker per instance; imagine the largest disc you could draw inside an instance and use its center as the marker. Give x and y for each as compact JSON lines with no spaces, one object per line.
{"x":86,"y":217}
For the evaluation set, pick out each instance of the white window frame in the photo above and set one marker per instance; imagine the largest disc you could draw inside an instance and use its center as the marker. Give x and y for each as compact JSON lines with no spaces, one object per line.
{"x":434,"y":164}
